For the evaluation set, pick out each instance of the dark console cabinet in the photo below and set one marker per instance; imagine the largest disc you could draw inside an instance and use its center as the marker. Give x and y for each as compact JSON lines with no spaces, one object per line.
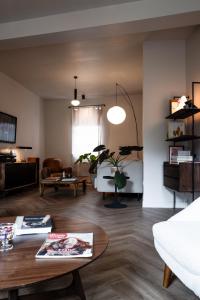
{"x":17,"y":175}
{"x":179,"y":177}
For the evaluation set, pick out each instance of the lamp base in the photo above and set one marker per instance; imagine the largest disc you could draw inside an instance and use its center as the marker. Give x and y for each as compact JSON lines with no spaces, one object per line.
{"x":116,"y":205}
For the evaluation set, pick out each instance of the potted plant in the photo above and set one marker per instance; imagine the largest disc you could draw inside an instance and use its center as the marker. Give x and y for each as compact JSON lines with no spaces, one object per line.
{"x":90,"y":159}
{"x":114,"y":159}
{"x":87,"y":157}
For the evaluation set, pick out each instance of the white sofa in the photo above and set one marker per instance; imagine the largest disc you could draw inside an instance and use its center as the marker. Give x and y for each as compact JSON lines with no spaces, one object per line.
{"x":131,"y":168}
{"x":177,"y":241}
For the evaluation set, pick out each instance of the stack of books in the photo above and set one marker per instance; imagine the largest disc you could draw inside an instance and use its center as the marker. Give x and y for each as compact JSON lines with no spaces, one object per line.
{"x":183,"y":156}
{"x":68,"y":179}
{"x":33,"y":224}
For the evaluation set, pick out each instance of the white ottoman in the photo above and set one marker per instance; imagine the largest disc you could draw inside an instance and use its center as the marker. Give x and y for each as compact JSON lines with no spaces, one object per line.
{"x":177,"y":241}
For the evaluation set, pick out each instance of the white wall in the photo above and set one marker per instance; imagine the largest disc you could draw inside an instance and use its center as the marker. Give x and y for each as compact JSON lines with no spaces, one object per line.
{"x":193,"y":74}
{"x":57,"y":120}
{"x":58,"y":126}
{"x":28,"y":108}
{"x":164,"y":77}
{"x":193,"y":59}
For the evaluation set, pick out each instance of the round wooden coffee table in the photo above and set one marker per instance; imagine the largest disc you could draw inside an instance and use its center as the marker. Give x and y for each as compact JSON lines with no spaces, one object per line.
{"x":20,"y":268}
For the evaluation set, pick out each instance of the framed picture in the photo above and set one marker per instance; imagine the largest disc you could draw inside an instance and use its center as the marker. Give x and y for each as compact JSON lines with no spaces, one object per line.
{"x":175,"y":128}
{"x":173,"y":153}
{"x":173,"y":104}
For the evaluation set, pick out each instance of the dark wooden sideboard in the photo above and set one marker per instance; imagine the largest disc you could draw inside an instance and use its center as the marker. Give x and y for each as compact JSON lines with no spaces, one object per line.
{"x":17,"y":175}
{"x":179,"y":177}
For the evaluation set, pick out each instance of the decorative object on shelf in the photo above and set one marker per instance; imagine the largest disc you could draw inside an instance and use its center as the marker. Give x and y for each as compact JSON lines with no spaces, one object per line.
{"x":117,"y":115}
{"x":24,"y":152}
{"x":189,"y":105}
{"x":173,"y":153}
{"x":176,"y":129}
{"x":75,"y":101}
{"x":177,"y":103}
{"x":181,"y":103}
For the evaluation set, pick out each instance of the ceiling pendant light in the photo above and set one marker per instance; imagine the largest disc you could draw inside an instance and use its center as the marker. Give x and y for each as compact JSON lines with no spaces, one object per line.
{"x":75,"y":101}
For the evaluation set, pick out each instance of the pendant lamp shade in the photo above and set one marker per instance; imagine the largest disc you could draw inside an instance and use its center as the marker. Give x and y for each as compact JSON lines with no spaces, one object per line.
{"x":116,"y":115}
{"x":75,"y":101}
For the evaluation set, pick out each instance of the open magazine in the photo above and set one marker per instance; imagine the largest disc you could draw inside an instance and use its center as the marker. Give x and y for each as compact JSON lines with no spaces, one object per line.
{"x":67,"y":245}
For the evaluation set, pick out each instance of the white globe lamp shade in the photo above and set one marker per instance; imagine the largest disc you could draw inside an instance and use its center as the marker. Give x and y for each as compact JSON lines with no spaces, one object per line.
{"x":75,"y":102}
{"x":116,"y":115}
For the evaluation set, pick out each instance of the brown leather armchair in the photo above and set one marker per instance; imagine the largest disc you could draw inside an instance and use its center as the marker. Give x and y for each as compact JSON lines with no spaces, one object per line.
{"x":55,"y":167}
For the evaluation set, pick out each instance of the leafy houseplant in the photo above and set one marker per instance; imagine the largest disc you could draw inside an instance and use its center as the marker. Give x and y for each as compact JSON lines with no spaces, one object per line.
{"x":114,"y":160}
{"x":87,"y":157}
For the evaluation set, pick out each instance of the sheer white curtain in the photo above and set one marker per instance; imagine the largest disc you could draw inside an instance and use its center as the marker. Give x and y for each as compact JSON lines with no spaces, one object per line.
{"x":87,"y":129}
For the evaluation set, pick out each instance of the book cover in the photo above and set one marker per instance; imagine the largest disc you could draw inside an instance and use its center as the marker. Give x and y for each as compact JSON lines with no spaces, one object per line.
{"x":50,"y":179}
{"x":33,"y":224}
{"x":67,"y":245}
{"x":66,"y":179}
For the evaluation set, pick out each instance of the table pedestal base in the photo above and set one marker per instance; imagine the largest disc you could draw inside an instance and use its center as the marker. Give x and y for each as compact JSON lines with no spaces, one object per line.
{"x":116,"y":205}
{"x":75,"y":288}
{"x":13,"y":295}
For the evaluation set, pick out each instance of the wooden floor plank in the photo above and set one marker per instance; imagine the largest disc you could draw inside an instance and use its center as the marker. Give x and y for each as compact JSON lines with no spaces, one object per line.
{"x":130,"y":268}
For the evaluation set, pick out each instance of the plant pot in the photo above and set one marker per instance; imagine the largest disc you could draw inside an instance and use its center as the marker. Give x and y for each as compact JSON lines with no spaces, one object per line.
{"x":114,"y":169}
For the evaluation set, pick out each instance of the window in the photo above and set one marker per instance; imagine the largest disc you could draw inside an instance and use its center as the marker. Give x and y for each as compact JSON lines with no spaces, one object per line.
{"x":86,"y":129}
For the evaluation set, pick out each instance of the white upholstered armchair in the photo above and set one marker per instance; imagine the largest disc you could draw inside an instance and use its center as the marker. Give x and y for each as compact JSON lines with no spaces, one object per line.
{"x":177,"y":241}
{"x":132,"y":169}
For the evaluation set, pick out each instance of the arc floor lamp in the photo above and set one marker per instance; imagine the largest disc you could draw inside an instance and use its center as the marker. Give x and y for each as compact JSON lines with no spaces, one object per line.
{"x":117,"y":114}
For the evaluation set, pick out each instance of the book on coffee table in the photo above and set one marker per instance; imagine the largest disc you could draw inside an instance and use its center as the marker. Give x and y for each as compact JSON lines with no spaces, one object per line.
{"x":68,"y":179}
{"x":67,"y":245}
{"x":50,"y":179}
{"x":33,"y":224}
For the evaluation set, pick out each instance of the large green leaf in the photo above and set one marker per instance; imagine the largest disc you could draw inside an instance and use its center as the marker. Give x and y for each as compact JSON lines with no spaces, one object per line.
{"x":120,"y":180}
{"x":99,"y":148}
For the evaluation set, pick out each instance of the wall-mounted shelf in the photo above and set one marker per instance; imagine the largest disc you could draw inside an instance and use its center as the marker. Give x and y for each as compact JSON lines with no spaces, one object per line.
{"x":183,"y":113}
{"x":183,"y":138}
{"x":185,"y":176}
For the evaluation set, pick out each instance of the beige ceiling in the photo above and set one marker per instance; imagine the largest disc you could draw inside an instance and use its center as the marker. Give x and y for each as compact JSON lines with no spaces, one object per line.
{"x":99,"y":63}
{"x":48,"y":70}
{"x":14,"y":10}
{"x":98,"y":55}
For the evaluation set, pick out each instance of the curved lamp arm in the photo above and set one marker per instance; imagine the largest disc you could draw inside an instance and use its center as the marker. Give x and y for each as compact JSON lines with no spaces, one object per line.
{"x":128,"y":99}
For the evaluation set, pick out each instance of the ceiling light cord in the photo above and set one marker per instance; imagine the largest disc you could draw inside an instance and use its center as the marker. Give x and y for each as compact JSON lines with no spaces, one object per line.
{"x":75,"y":101}
{"x":75,"y":89}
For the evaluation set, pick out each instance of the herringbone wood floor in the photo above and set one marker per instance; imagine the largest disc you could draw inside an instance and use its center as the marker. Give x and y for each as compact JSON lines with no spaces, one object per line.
{"x":130,"y":268}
